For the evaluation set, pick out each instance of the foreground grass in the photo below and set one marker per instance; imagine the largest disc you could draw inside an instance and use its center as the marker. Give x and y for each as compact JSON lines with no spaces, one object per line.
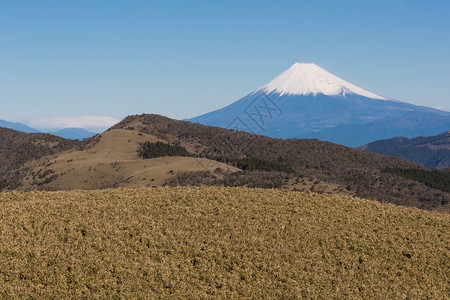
{"x":218,"y":242}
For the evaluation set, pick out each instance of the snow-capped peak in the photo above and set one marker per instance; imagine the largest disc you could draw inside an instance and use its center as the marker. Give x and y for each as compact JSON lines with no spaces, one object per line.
{"x":309,"y":78}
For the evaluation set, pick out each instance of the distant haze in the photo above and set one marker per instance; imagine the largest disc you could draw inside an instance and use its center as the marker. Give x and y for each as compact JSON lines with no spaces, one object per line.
{"x":92,"y":123}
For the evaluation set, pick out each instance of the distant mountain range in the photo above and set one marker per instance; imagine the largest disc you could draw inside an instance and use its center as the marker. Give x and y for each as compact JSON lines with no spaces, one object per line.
{"x":74,"y":133}
{"x":429,"y":151}
{"x":306,"y":101}
{"x":18,"y":127}
{"x":67,"y":133}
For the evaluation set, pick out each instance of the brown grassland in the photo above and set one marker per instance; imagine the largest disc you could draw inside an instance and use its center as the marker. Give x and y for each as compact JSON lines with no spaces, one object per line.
{"x":215,"y":242}
{"x":111,"y":162}
{"x":213,"y":157}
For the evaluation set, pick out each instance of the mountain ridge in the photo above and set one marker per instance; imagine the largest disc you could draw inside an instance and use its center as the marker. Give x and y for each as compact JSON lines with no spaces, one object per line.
{"x":73,"y":133}
{"x":429,"y":151}
{"x":18,"y":126}
{"x":216,"y":156}
{"x":284,"y":110}
{"x":67,"y":133}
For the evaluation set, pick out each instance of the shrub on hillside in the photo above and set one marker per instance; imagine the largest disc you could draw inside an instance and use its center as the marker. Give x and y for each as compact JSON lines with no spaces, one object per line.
{"x":250,"y":164}
{"x":159,"y":149}
{"x":432,"y":178}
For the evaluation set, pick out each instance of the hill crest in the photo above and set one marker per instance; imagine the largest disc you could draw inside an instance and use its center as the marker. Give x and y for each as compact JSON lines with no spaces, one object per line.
{"x":226,"y":157}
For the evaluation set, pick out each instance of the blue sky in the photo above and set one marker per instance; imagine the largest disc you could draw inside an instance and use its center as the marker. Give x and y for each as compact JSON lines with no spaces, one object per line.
{"x":66,"y":59}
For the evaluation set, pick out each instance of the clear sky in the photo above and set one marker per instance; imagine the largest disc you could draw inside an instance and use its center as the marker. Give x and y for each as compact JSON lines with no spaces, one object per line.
{"x":61,"y":59}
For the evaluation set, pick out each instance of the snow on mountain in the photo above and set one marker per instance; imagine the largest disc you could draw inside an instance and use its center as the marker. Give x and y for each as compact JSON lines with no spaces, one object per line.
{"x":309,"y":78}
{"x":306,"y":101}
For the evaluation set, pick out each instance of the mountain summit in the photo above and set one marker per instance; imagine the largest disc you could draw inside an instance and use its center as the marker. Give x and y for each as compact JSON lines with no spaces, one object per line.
{"x":306,"y":101}
{"x":309,"y":78}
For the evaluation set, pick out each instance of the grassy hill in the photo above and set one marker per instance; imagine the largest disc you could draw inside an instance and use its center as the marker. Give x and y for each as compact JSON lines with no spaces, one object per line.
{"x":212,"y":242}
{"x":111,"y":160}
{"x":151,"y":150}
{"x":318,"y":166}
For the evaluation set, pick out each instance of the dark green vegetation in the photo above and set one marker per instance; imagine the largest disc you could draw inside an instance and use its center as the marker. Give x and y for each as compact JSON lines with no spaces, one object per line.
{"x":251,"y":164}
{"x":429,"y":151}
{"x":159,"y":149}
{"x":211,"y":242}
{"x":433,"y":178}
{"x":355,"y":172}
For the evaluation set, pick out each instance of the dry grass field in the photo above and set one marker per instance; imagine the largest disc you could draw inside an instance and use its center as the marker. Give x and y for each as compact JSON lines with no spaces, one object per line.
{"x":112,"y":162}
{"x":213,"y":242}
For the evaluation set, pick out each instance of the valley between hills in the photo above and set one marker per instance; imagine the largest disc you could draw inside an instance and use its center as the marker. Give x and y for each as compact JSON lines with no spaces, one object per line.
{"x":213,"y":157}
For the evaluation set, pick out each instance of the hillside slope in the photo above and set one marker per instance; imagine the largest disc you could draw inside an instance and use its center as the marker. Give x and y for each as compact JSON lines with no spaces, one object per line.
{"x":318,"y":166}
{"x":215,"y":156}
{"x":218,"y":243}
{"x":429,"y":151}
{"x":306,"y":101}
{"x":18,"y":148}
{"x":111,"y":160}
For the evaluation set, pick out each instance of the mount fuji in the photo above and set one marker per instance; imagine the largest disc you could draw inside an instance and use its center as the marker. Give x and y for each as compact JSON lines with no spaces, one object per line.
{"x":306,"y":101}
